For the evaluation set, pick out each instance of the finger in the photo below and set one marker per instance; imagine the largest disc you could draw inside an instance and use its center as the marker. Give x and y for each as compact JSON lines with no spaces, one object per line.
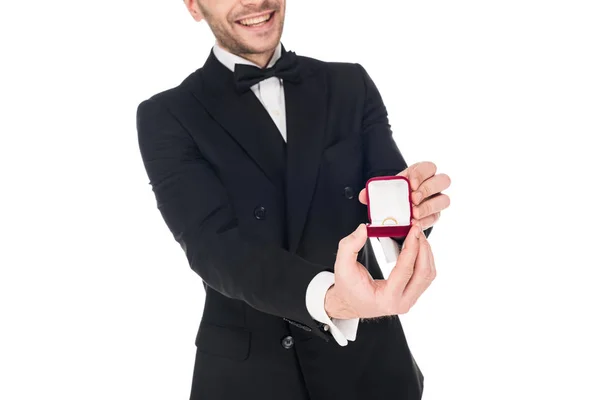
{"x":431,"y":206}
{"x":403,"y":270}
{"x":430,"y":187}
{"x":427,"y":222}
{"x":362,"y":196}
{"x":404,"y":172}
{"x":420,"y":172}
{"x":423,"y":275}
{"x":349,"y":247}
{"x":432,"y":259}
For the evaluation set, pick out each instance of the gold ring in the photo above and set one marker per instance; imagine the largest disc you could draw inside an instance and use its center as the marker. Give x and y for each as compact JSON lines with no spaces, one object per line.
{"x":391,"y":219}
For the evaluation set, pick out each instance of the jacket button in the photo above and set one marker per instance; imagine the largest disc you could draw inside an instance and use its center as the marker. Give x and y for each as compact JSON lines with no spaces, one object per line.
{"x":260,"y":212}
{"x":349,"y":192}
{"x":287,"y":342}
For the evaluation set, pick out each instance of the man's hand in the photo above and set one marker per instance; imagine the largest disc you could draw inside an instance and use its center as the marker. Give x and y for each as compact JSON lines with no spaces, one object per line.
{"x":426,"y":196}
{"x":357,"y":295}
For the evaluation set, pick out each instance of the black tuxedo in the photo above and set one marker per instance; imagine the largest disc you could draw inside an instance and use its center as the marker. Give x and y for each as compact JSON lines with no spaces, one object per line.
{"x":258,"y":218}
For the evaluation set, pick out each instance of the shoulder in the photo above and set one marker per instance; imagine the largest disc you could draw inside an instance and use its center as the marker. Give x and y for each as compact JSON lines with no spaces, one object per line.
{"x":170,"y":97}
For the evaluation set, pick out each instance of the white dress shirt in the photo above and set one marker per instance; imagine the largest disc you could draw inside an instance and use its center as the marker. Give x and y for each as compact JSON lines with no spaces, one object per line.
{"x":271,"y":94}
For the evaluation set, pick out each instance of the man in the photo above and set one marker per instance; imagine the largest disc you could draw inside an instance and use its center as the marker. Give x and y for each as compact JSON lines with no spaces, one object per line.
{"x":258,"y":161}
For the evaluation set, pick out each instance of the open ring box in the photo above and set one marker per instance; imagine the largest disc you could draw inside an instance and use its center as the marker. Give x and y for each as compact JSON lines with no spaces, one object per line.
{"x":389,"y":206}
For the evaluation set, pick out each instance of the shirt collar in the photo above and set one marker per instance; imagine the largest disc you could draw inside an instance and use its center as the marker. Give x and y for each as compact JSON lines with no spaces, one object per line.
{"x":229,"y":59}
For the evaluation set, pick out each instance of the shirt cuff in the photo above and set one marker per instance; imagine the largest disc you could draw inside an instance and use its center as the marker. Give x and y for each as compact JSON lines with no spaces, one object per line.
{"x":342,"y":330}
{"x":391,"y":249}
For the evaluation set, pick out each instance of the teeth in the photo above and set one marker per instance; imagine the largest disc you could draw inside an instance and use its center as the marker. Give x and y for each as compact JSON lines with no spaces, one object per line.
{"x":255,"y":20}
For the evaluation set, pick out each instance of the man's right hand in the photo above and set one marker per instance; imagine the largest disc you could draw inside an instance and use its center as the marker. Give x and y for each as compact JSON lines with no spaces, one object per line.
{"x":356,"y":294}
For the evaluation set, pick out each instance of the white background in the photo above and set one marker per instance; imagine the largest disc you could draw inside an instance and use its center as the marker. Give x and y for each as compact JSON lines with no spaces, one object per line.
{"x":96,"y":298}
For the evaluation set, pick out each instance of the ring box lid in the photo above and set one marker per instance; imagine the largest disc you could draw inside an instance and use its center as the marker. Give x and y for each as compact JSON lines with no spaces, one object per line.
{"x":388,"y":196}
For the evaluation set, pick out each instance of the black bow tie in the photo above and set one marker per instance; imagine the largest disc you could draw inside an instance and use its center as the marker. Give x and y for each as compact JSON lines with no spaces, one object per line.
{"x":285,"y":68}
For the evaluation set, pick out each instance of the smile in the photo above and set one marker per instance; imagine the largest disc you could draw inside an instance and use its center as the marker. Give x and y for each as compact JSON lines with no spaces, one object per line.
{"x":256,"y":21}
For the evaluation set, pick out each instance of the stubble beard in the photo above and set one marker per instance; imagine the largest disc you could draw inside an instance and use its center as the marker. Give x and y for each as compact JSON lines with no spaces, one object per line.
{"x":231,"y":43}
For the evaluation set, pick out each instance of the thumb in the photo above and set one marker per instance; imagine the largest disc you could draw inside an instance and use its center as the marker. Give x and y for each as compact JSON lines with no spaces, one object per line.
{"x":404,"y":268}
{"x":349,"y":247}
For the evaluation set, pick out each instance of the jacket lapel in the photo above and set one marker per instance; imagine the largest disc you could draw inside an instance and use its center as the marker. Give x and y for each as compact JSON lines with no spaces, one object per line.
{"x":243,"y":117}
{"x":306,"y":112}
{"x":293,"y":166}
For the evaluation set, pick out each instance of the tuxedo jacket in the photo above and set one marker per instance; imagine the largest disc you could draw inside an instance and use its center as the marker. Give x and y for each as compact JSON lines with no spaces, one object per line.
{"x":258,"y":218}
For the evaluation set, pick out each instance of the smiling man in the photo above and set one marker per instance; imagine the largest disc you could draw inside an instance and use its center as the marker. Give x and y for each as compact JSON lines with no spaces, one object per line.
{"x":258,"y":162}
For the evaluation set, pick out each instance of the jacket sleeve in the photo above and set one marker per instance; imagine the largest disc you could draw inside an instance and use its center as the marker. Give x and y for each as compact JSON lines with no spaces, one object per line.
{"x":195,"y":206}
{"x":381,"y":154}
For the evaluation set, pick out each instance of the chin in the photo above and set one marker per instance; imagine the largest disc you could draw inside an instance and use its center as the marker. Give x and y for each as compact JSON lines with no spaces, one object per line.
{"x":262,"y":46}
{"x":260,"y":38}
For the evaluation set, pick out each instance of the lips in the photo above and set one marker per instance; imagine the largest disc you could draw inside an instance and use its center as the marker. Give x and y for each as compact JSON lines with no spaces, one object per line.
{"x":256,"y":20}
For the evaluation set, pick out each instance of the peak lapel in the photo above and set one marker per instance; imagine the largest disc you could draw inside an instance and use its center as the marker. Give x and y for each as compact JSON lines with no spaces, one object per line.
{"x":243,"y":117}
{"x":306,"y":113}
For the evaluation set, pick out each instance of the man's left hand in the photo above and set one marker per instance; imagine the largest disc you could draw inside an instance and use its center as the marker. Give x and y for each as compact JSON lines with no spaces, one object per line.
{"x":427,"y":197}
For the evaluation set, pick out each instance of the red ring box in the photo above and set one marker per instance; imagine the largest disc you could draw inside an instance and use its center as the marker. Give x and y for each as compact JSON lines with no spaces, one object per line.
{"x":388,"y":196}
